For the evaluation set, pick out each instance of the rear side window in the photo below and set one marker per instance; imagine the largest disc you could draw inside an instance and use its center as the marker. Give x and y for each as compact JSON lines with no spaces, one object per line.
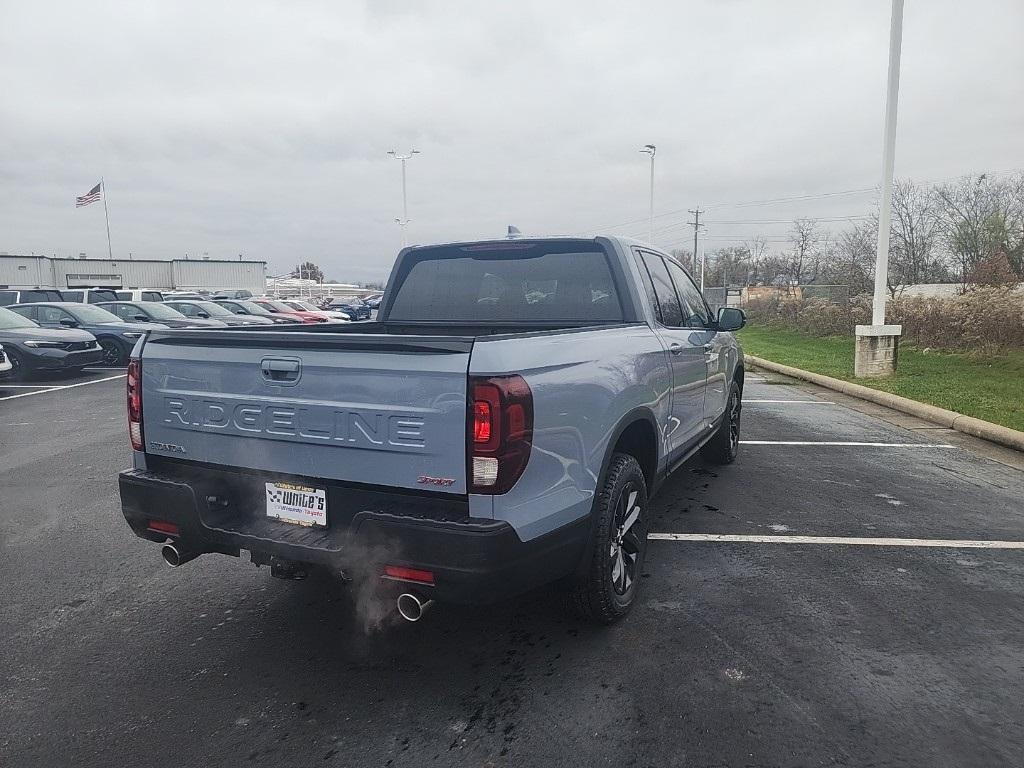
{"x":645,"y":278}
{"x":671,"y":314}
{"x":72,"y":295}
{"x":546,"y":282}
{"x":7,"y":298}
{"x":124,"y":295}
{"x":151,"y":296}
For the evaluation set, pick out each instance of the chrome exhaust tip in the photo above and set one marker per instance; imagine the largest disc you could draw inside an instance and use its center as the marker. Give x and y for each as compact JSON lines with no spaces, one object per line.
{"x":412,"y":607}
{"x":174,"y":556}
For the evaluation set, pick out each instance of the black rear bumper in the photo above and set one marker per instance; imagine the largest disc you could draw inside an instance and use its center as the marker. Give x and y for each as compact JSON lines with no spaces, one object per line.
{"x":474,"y":561}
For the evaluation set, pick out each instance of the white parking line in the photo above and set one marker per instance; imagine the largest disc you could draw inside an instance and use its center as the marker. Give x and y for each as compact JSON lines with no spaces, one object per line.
{"x":794,"y":402}
{"x":853,"y":540}
{"x":66,"y":386}
{"x":27,"y":386}
{"x":855,"y":444}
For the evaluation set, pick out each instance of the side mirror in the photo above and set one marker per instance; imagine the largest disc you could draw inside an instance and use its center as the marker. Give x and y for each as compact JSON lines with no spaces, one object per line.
{"x":241,"y":312}
{"x":204,"y":315}
{"x":67,"y":322}
{"x":731,"y":319}
{"x":142,"y":318}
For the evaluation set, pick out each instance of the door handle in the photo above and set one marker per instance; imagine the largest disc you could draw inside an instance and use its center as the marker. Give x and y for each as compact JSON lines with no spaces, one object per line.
{"x":280,"y":370}
{"x":675,"y":348}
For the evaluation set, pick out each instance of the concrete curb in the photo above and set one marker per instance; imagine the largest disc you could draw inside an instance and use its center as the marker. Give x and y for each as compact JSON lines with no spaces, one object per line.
{"x":986,"y":430}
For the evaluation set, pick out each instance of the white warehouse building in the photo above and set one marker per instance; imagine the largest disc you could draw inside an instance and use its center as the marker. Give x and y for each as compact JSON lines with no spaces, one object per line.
{"x":46,"y":272}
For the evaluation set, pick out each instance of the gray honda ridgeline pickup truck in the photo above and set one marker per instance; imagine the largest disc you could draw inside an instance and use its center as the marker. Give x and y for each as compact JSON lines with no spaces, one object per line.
{"x":501,"y":425}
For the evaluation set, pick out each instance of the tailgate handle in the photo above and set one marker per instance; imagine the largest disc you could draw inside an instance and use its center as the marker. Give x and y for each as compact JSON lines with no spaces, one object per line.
{"x":280,"y":370}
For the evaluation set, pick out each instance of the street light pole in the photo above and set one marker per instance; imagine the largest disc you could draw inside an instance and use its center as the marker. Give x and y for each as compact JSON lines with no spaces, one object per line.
{"x":651,"y":150}
{"x":888,"y":163}
{"x":877,"y":345}
{"x":404,"y":221}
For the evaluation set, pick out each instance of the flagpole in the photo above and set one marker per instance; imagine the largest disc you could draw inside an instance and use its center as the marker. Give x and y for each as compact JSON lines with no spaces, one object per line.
{"x":106,"y":215}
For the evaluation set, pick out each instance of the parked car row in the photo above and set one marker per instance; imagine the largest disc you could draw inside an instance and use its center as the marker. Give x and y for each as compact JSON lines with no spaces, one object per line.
{"x":9,"y":296}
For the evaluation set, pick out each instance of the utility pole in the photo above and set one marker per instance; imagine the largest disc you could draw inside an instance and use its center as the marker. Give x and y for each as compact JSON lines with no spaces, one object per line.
{"x":651,"y":150}
{"x":877,"y":345}
{"x":404,"y":221}
{"x":696,"y":229}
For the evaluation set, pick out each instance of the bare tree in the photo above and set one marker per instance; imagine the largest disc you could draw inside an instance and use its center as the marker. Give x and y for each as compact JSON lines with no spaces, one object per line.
{"x":758,"y":247}
{"x":915,"y":234}
{"x":728,"y":266}
{"x":982,"y":217}
{"x":804,"y":255}
{"x":852,"y":261}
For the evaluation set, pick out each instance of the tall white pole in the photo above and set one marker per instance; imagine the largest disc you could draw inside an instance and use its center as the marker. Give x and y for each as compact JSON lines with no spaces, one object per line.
{"x":106,"y":215}
{"x":888,"y":163}
{"x":404,"y":221}
{"x":650,"y":239}
{"x":651,"y":150}
{"x":405,"y":204}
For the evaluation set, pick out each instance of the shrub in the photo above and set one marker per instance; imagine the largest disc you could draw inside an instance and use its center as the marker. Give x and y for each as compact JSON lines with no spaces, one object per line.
{"x":981,"y":320}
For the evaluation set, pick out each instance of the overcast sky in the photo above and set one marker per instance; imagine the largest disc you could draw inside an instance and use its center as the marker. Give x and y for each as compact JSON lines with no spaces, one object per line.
{"x":261,"y":128}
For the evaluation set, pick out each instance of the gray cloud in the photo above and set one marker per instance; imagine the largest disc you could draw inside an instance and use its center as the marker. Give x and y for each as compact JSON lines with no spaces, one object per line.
{"x":261,"y":128}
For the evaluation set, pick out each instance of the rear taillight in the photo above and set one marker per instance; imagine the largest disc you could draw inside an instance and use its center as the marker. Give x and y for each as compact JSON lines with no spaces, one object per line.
{"x":162,"y":526}
{"x":134,"y":382}
{"x":500,"y":431}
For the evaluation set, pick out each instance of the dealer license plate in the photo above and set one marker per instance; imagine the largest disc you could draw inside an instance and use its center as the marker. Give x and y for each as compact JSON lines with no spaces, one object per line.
{"x":297,"y":504}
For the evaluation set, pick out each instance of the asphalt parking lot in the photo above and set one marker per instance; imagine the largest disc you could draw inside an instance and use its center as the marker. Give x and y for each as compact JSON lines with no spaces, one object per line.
{"x":864,"y":608}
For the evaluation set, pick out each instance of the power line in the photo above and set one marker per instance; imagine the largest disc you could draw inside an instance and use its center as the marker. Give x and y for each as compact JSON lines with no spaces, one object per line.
{"x":793,"y":198}
{"x":730,"y":205}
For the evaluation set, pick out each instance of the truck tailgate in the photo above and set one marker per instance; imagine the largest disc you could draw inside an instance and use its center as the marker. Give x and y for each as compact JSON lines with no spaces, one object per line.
{"x":365,"y":408}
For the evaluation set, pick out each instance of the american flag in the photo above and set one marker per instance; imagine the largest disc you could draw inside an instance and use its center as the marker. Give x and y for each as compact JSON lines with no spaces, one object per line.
{"x":91,"y":196}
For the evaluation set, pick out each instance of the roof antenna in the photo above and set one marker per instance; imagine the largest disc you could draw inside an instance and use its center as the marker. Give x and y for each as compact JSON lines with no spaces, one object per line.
{"x":513,"y":233}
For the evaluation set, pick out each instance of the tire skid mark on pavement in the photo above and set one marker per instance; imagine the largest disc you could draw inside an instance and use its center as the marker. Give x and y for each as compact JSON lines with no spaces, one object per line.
{"x":842,"y":540}
{"x":845,"y":443}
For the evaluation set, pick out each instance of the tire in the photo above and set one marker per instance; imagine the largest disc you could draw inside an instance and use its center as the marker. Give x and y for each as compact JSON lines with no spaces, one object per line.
{"x":114,"y":354}
{"x":725,"y":445}
{"x":18,"y":372}
{"x":606,"y":590}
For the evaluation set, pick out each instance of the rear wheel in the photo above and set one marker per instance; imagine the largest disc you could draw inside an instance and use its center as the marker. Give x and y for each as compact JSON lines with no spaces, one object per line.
{"x":606,"y":591}
{"x":725,"y":445}
{"x":113,"y":353}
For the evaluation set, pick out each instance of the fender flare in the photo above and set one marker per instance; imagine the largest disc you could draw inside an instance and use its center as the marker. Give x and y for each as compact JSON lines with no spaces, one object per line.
{"x":640,"y":413}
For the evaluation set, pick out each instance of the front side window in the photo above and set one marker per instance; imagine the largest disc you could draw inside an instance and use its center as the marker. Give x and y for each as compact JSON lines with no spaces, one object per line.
{"x":52,"y":315}
{"x":671,"y":314}
{"x":124,"y":311}
{"x":90,"y":313}
{"x":695,"y":312}
{"x":189,"y":310}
